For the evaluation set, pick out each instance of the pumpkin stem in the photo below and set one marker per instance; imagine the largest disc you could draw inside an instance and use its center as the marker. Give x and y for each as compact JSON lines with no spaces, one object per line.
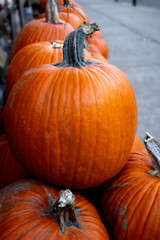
{"x":153,"y":148}
{"x":51,"y":12}
{"x":56,"y":45}
{"x":67,"y":4}
{"x":73,"y":48}
{"x":63,"y":210}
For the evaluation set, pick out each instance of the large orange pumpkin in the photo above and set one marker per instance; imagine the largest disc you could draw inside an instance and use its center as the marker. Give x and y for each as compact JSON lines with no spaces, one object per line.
{"x":72,"y":123}
{"x":36,"y":211}
{"x":50,"y":29}
{"x":10,"y":170}
{"x":130,"y":202}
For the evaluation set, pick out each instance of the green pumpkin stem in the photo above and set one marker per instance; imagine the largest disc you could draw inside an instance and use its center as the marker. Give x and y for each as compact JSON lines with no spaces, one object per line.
{"x":63,"y":210}
{"x":51,"y":12}
{"x":153,"y":148}
{"x":73,"y":48}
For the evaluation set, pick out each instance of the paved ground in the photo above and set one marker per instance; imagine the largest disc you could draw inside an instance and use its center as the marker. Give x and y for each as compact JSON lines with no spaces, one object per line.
{"x":133,"y":38}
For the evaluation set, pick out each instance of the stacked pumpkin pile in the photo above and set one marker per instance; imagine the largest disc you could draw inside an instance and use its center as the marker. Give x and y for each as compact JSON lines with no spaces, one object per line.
{"x":70,"y":120}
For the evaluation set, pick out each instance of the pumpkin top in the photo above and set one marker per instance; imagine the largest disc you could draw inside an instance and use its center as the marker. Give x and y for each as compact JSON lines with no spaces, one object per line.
{"x":73,"y":49}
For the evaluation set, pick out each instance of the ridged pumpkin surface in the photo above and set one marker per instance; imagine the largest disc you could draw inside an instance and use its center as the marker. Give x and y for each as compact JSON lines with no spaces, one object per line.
{"x":23,"y":215}
{"x":74,"y":127}
{"x":38,"y":31}
{"x":10,"y":170}
{"x":131,"y":201}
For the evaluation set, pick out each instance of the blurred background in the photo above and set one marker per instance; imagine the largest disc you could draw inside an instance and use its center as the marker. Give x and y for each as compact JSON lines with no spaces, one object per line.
{"x":131,"y":29}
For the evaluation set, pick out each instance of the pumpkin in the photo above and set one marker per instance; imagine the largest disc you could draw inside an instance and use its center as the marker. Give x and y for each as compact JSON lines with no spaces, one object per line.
{"x":71,"y":8}
{"x":50,"y":29}
{"x":2,"y":120}
{"x":71,"y":14}
{"x":33,"y":55}
{"x":130,"y":201}
{"x":137,"y":144}
{"x":10,"y":169}
{"x":72,"y":123}
{"x":35,"y":211}
{"x":97,"y":44}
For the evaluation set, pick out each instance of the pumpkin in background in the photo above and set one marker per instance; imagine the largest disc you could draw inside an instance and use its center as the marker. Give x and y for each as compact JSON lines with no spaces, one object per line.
{"x":70,"y":18}
{"x":66,"y":8}
{"x":50,"y":29}
{"x":137,"y":144}
{"x":10,"y":169}
{"x":36,"y":54}
{"x":74,"y":16}
{"x":72,"y":124}
{"x":99,"y":57}
{"x":35,"y":211}
{"x":130,"y":202}
{"x":2,"y":120}
{"x":97,"y":44}
{"x":73,"y":3}
{"x":42,"y":4}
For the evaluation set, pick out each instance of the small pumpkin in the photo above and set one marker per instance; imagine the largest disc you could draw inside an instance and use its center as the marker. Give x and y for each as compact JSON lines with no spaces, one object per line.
{"x":10,"y":169}
{"x":35,"y":211}
{"x":50,"y":29}
{"x":130,"y":201}
{"x":72,"y":123}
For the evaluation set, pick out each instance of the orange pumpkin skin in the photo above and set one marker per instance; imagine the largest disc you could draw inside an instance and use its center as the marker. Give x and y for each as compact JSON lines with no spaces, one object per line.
{"x":69,"y":10}
{"x":137,"y":144}
{"x":99,"y":57}
{"x":31,"y":56}
{"x":99,"y":43}
{"x":42,"y":4}
{"x":130,"y":202}
{"x":10,"y":169}
{"x":38,"y":31}
{"x":66,"y":125}
{"x":59,"y":127}
{"x":24,"y":205}
{"x":2,"y":120}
